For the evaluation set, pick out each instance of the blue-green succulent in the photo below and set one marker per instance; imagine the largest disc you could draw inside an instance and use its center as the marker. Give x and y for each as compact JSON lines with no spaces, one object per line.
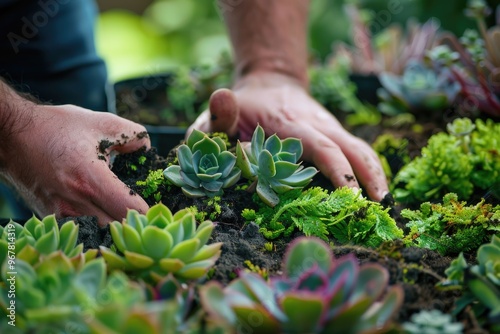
{"x":205,"y":167}
{"x":272,"y":165}
{"x":419,"y":88}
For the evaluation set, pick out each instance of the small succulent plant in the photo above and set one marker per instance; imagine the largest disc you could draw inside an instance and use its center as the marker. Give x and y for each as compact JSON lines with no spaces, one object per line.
{"x":42,"y":237}
{"x":316,"y":294}
{"x":50,"y":294}
{"x":480,"y":283}
{"x":432,"y":322}
{"x":419,"y":88}
{"x":159,"y":243}
{"x":205,"y":166}
{"x":164,"y":309}
{"x":272,"y":165}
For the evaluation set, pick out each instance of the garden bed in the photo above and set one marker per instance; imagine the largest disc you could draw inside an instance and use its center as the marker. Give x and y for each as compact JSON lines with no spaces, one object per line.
{"x":417,"y":270}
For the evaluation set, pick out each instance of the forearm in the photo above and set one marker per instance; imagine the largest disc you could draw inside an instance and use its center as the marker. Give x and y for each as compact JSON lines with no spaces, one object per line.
{"x":15,"y":116}
{"x":269,"y":36}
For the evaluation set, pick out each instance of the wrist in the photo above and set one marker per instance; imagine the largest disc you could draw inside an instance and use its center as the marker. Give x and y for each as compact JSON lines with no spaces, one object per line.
{"x":272,"y":66}
{"x":265,"y":79}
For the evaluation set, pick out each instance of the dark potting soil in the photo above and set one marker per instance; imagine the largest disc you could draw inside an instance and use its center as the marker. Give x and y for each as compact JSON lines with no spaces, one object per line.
{"x":416,"y":270}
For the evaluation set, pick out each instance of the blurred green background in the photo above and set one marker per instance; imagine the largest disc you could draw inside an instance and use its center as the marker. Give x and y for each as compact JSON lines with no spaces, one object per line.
{"x":151,"y":36}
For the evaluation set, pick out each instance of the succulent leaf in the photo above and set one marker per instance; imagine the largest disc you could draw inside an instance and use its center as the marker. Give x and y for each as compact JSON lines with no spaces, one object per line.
{"x":132,"y":239}
{"x":68,"y":235}
{"x":266,"y":324}
{"x":185,"y":250}
{"x":116,"y":230}
{"x":47,"y":243}
{"x":195,"y":270}
{"x":371,"y":282}
{"x":204,"y":231}
{"x":303,"y":310}
{"x":157,"y":243}
{"x":185,"y":157}
{"x":257,"y":142}
{"x":273,"y":145}
{"x":266,"y":164}
{"x":266,"y":193}
{"x":207,"y":251}
{"x":158,"y":211}
{"x":243,"y":162}
{"x":138,"y":260}
{"x":114,"y":260}
{"x":214,"y":301}
{"x":195,"y":137}
{"x":303,"y":254}
{"x":171,"y":265}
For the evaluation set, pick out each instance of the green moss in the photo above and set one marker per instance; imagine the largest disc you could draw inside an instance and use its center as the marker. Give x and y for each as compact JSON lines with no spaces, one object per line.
{"x":458,"y":163}
{"x":451,"y":226}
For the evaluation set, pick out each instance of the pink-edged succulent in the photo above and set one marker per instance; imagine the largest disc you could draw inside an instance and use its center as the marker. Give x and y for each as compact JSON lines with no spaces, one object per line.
{"x":315,"y":294}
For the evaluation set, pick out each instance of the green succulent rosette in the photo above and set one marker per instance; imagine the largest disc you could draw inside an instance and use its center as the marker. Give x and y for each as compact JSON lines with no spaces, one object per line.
{"x":49,"y":295}
{"x":158,"y":243}
{"x":205,"y":166}
{"x":272,"y":164}
{"x":38,"y":238}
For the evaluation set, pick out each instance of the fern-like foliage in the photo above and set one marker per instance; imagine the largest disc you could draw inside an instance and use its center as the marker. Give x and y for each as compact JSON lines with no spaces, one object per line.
{"x":453,"y":226}
{"x":344,"y":214}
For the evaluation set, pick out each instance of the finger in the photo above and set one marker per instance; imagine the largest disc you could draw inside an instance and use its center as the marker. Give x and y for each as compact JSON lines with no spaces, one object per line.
{"x":361,"y":157}
{"x":123,"y":136}
{"x":114,"y":197}
{"x":327,"y":156}
{"x":222,"y":115}
{"x":63,"y":208}
{"x":224,"y":112}
{"x":368,"y":168}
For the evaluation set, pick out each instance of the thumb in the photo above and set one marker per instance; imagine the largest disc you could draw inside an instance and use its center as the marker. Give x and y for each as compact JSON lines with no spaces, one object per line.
{"x":222,"y":115}
{"x":224,"y":111}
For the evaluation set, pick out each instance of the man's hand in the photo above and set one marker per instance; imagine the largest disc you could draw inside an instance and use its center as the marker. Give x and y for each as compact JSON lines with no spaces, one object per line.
{"x":57,"y":164}
{"x":281,"y":105}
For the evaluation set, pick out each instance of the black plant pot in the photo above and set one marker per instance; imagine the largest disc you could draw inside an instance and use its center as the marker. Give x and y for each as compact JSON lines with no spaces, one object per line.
{"x":367,"y":85}
{"x":143,"y":100}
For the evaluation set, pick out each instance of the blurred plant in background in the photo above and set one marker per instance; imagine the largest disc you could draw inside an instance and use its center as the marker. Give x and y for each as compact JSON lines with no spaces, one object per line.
{"x":475,"y":63}
{"x":358,"y":48}
{"x":168,"y":34}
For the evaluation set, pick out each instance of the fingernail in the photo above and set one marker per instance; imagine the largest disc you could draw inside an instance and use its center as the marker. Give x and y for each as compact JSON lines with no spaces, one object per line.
{"x":382,"y":194}
{"x":356,"y":191}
